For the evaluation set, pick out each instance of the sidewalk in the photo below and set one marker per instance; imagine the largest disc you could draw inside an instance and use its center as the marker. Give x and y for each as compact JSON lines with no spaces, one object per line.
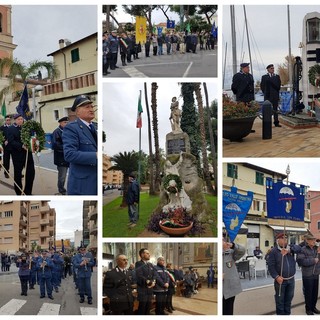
{"x":257,"y":297}
{"x":285,"y":142}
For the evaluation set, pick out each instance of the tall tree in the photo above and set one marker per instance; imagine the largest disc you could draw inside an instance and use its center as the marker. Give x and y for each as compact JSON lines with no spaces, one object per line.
{"x":157,"y":182}
{"x":208,"y":11}
{"x":189,"y":117}
{"x":127,"y":162}
{"x":206,"y":172}
{"x":17,"y":72}
{"x":283,"y":69}
{"x":212,"y":141}
{"x":107,"y":9}
{"x":151,"y":182}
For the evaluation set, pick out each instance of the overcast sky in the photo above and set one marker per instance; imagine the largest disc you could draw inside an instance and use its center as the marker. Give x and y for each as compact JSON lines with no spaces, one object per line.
{"x":268,"y":33}
{"x":302,"y":171}
{"x":37,"y":29}
{"x":69,"y":217}
{"x":120,"y":105}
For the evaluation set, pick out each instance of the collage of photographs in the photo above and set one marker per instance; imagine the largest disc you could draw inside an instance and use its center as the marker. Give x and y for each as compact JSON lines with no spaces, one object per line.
{"x":159,"y":159}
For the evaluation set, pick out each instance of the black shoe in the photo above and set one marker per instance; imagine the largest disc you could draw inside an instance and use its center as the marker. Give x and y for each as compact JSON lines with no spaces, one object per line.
{"x":22,"y":294}
{"x":41,"y":297}
{"x":57,"y":290}
{"x":81,"y":300}
{"x":316,"y":311}
{"x":50,"y":297}
{"x":278,"y":125}
{"x":309,"y":313}
{"x":6,"y":175}
{"x":169,"y":310}
{"x":116,"y":67}
{"x":89,"y":301}
{"x":252,"y":131}
{"x":25,"y":294}
{"x":173,"y":309}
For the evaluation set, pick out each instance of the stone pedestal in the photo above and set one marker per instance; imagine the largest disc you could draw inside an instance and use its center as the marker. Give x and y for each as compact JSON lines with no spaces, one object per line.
{"x":177,"y":142}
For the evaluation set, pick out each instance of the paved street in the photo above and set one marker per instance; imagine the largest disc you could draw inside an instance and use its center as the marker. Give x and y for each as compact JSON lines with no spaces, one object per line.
{"x":257,"y":297}
{"x":201,"y":64}
{"x":66,"y":301}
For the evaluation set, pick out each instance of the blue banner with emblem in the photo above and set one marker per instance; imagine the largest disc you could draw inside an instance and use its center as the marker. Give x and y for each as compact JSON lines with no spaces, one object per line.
{"x":235,"y":208}
{"x":170,"y":24}
{"x":159,"y":29}
{"x":285,"y":201}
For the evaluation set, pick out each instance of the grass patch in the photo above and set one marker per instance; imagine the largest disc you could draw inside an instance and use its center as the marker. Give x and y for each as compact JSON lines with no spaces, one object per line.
{"x":115,"y":219}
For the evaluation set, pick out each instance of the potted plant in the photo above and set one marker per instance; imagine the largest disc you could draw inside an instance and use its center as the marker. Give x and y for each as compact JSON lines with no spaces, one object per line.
{"x":238,"y":118}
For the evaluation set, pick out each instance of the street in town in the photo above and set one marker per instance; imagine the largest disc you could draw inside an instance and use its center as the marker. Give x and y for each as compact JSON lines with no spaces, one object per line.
{"x":66,"y":301}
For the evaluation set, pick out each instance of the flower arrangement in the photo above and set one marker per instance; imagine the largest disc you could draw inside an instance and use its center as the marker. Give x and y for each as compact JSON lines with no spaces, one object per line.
{"x":314,"y":75}
{"x":33,"y":136}
{"x":236,"y":110}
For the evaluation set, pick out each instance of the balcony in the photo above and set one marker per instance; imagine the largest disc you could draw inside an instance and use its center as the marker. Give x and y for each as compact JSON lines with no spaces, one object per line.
{"x":23,"y":233}
{"x":44,"y":221}
{"x":93,"y":214}
{"x":23,"y":210}
{"x":93,"y":229}
{"x":44,"y":234}
{"x":44,"y":208}
{"x":23,"y":221}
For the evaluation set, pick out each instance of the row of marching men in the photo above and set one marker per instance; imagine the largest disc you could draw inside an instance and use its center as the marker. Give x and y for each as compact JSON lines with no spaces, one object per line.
{"x":48,"y":268}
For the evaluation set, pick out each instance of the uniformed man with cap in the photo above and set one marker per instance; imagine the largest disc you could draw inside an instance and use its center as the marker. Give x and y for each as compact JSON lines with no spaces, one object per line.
{"x":117,"y":286}
{"x":308,"y":259}
{"x":113,"y":48}
{"x":44,"y":267}
{"x":80,"y":149}
{"x":6,"y":147}
{"x":58,"y":156}
{"x":243,"y":84}
{"x":19,"y":155}
{"x":270,"y":85}
{"x":282,"y":268}
{"x":83,"y":263}
{"x":24,"y":273}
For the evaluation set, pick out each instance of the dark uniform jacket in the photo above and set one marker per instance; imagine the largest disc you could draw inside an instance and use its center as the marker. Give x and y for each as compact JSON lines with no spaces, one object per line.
{"x":270,"y":87}
{"x":117,"y":286}
{"x":58,"y":157}
{"x":145,"y":274}
{"x":243,"y":86}
{"x":14,"y":140}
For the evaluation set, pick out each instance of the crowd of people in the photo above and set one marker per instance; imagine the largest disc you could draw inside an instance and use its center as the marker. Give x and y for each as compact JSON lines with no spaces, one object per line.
{"x":124,"y":44}
{"x":48,"y":267}
{"x":75,"y":150}
{"x":136,"y":288}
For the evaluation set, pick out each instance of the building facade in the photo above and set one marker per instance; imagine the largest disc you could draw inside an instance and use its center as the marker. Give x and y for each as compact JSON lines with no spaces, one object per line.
{"x":90,"y":229}
{"x":111,"y":178}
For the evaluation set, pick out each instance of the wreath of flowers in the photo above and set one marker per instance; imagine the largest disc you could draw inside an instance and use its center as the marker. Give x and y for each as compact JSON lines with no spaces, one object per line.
{"x":314,"y":75}
{"x":2,"y":139}
{"x":166,"y":183}
{"x":33,"y":136}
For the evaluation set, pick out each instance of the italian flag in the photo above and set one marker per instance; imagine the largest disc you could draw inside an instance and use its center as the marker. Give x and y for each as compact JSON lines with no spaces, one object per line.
{"x":139,"y":116}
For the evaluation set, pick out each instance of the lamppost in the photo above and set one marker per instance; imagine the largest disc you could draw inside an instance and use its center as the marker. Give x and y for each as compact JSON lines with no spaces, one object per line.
{"x":35,"y":89}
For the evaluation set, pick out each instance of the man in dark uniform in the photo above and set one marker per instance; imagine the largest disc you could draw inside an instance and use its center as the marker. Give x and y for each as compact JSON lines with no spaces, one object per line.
{"x":58,"y":156}
{"x":6,"y":146}
{"x":117,"y":286}
{"x":80,"y":149}
{"x":133,"y":195}
{"x":44,"y":267}
{"x":270,"y":86}
{"x":243,"y":84}
{"x":146,"y":279}
{"x":19,"y":154}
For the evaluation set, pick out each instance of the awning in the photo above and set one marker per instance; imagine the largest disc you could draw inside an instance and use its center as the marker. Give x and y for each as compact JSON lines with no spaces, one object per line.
{"x":289,"y":229}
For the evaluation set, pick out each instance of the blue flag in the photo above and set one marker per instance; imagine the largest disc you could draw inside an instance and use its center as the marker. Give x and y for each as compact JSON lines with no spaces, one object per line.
{"x":285,"y":201}
{"x":210,"y":280}
{"x":235,"y":208}
{"x":23,"y":106}
{"x":159,"y":31}
{"x":170,"y":24}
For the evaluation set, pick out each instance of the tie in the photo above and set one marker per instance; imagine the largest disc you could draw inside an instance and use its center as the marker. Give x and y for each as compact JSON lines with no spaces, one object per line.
{"x":93,"y":131}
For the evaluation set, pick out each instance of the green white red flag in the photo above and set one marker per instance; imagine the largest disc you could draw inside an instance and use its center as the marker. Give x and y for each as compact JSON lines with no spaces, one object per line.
{"x":139,"y":114}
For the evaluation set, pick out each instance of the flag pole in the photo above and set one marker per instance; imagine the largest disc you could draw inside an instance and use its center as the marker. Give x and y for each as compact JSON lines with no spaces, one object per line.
{"x":139,"y":160}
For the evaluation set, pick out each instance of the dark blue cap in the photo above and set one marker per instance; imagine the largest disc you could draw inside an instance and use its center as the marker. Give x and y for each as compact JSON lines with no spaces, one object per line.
{"x":245,"y":64}
{"x":80,"y":101}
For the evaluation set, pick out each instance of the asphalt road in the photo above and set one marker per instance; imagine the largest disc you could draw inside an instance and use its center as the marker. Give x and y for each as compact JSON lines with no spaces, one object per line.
{"x":201,"y":64}
{"x":66,"y":301}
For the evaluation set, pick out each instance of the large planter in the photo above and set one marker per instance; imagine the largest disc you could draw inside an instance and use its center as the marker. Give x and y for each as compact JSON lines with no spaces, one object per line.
{"x":175,"y":232}
{"x":237,"y":129}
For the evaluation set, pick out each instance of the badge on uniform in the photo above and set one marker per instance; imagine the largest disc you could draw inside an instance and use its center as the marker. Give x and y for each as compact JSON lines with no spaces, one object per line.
{"x":229,"y":264}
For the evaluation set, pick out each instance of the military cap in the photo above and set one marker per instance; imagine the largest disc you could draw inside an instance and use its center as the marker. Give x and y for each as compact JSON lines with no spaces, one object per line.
{"x":63,"y":119}
{"x":17,"y":115}
{"x":269,"y":66}
{"x":244,"y":64}
{"x":310,"y":237}
{"x":80,"y":101}
{"x":281,"y":235}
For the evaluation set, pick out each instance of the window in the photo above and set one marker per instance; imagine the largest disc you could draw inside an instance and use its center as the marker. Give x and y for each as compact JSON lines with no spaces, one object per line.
{"x":75,"y":55}
{"x":34,"y":207}
{"x":232,"y":171}
{"x":7,"y":227}
{"x":313,"y":28}
{"x":56,"y":115}
{"x":318,"y":225}
{"x":8,"y":240}
{"x":8,"y":214}
{"x":259,"y":178}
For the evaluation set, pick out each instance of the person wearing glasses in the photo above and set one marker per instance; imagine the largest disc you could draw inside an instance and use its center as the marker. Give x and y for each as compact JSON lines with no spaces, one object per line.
{"x":117,"y":286}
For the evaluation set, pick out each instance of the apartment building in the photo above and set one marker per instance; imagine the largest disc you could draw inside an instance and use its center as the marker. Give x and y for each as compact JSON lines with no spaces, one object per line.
{"x":111,"y":177}
{"x":90,"y":229}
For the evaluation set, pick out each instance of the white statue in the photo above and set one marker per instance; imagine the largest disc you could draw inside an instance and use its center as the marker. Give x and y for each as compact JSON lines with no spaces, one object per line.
{"x":175,"y":115}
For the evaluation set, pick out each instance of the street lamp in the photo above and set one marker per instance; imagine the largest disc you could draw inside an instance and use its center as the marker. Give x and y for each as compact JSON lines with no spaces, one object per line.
{"x":35,"y":89}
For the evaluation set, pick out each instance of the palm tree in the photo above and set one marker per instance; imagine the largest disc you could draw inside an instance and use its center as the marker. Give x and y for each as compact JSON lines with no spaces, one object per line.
{"x":205,"y":161}
{"x":126,"y":162}
{"x":154,"y":88}
{"x":18,"y":73}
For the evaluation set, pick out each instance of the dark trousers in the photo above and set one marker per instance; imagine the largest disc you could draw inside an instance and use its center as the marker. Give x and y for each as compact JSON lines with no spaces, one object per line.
{"x":283,"y":301}
{"x":275,"y":112}
{"x":227,"y":308}
{"x":105,"y":64}
{"x":113,"y":61}
{"x":6,"y":159}
{"x":62,"y":174}
{"x":84,"y":284}
{"x":24,"y":284}
{"x":147,"y":50}
{"x":18,"y":165}
{"x":144,"y":304}
{"x":169,"y":300}
{"x":311,"y":287}
{"x":155,"y":49}
{"x":160,"y":302}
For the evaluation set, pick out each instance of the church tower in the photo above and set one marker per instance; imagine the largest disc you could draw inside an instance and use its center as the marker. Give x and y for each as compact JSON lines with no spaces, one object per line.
{"x":6,"y":38}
